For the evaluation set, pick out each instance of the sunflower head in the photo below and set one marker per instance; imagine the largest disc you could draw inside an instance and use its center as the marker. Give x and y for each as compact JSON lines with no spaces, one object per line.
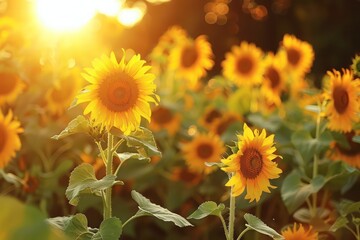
{"x":299,"y":232}
{"x":191,"y":59}
{"x":356,"y":65}
{"x":243,"y":64}
{"x":203,"y":148}
{"x":342,"y":92}
{"x":348,"y":152}
{"x":209,"y":116}
{"x":11,"y":86}
{"x":9,"y":138}
{"x":252,"y":166}
{"x":119,"y":93}
{"x":59,"y":97}
{"x":164,"y":118}
{"x":299,"y":55}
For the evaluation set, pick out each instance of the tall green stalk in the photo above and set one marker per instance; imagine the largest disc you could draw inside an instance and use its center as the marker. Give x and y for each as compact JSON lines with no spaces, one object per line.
{"x":109,"y":171}
{"x":231,"y":216}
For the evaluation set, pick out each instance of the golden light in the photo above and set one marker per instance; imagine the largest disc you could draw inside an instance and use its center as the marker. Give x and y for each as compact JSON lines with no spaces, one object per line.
{"x":131,"y":16}
{"x":64,"y":15}
{"x":109,"y":7}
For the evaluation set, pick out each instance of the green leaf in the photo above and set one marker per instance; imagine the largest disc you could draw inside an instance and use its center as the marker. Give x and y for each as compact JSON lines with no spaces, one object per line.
{"x":294,"y":192}
{"x":78,"y":125}
{"x":19,"y":221}
{"x":356,"y":139}
{"x":313,"y":108}
{"x":126,"y":156}
{"x":206,"y":209}
{"x":142,"y":139}
{"x":11,"y":178}
{"x":149,"y":208}
{"x":259,"y":226}
{"x":339,"y":223}
{"x":83,"y":181}
{"x":110,"y":229}
{"x":347,"y":207}
{"x":271,"y":123}
{"x":74,"y":226}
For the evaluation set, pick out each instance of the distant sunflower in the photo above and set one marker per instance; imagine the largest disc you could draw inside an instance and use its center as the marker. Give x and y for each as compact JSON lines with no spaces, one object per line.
{"x":59,"y":97}
{"x":9,"y":138}
{"x":203,"y":148}
{"x":183,"y":174}
{"x":299,"y":233}
{"x":209,"y":116}
{"x":119,"y":93}
{"x":220,"y":125}
{"x":253,"y":165}
{"x":274,"y":78}
{"x":356,"y":65}
{"x":350,"y":154}
{"x":163,"y":118}
{"x":299,"y":55}
{"x":11,"y":86}
{"x":243,"y":65}
{"x":191,"y":59}
{"x":343,"y":95}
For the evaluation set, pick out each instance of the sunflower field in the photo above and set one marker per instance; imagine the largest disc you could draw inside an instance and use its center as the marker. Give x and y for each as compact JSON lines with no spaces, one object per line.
{"x":179,"y":119}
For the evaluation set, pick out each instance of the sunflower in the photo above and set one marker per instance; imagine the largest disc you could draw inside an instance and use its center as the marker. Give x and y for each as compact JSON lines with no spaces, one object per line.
{"x":191,"y":59}
{"x":299,"y":55}
{"x":209,"y":116}
{"x":349,"y":154}
{"x":356,"y":65}
{"x":221,"y":124}
{"x":9,"y":138}
{"x":163,"y":118}
{"x":119,"y":93}
{"x":59,"y":97}
{"x":253,"y":165}
{"x":11,"y":86}
{"x":299,"y":233}
{"x":274,"y":78}
{"x":343,"y":95}
{"x":182,"y":174}
{"x":243,"y":64}
{"x":203,"y":148}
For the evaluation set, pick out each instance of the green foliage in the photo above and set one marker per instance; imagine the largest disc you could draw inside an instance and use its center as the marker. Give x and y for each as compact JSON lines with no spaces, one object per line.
{"x":206,"y":209}
{"x":83,"y":181}
{"x":19,"y":221}
{"x":294,"y":191}
{"x":259,"y":226}
{"x":147,"y":208}
{"x":78,"y":125}
{"x":110,"y":229}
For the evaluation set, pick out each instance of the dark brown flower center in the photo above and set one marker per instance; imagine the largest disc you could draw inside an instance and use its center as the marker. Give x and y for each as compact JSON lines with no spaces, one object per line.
{"x":162,"y":115}
{"x":293,"y":56}
{"x":251,"y":163}
{"x":189,"y":56}
{"x":205,"y":150}
{"x":273,"y":75}
{"x":224,"y":124}
{"x":118,"y":93}
{"x":212,"y":115}
{"x":7,"y":83}
{"x":2,"y":137}
{"x":244,"y":65}
{"x":341,"y":99}
{"x":354,"y":147}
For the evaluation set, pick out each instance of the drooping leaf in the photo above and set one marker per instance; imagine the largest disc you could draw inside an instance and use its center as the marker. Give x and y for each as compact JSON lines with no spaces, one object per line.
{"x":74,"y":226}
{"x":339,"y":223}
{"x":259,"y":226}
{"x":206,"y":209}
{"x":78,"y":125}
{"x":142,"y":139}
{"x":110,"y":229}
{"x":149,"y":208}
{"x":126,"y":156}
{"x":83,"y":180}
{"x":294,"y":191}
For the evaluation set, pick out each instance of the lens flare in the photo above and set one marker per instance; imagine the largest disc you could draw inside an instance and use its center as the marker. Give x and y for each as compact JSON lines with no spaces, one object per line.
{"x":64,"y":15}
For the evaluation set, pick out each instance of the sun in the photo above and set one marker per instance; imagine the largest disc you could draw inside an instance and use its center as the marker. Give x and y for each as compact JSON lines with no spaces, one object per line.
{"x":64,"y":15}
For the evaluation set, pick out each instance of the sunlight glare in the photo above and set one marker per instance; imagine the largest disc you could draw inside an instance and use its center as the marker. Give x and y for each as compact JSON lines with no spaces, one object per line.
{"x":109,"y":7}
{"x":64,"y":15}
{"x":131,"y":16}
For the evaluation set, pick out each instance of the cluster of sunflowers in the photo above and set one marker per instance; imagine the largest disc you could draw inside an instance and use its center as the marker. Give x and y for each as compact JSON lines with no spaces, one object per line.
{"x":207,"y":139}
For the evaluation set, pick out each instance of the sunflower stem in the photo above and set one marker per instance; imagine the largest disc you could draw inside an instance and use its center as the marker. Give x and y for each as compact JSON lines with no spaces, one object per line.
{"x":109,"y":163}
{"x":243,"y":232}
{"x":224,"y":226}
{"x":231,"y":216}
{"x":316,"y":160}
